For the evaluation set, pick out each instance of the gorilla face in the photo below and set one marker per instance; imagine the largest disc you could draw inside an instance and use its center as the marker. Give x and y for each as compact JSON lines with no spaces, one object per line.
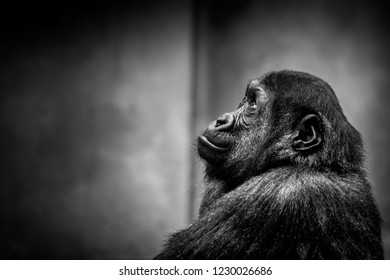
{"x":238,"y":135}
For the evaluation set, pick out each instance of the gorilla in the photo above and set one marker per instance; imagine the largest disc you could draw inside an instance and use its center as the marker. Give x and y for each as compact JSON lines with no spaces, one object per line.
{"x":284,"y":180}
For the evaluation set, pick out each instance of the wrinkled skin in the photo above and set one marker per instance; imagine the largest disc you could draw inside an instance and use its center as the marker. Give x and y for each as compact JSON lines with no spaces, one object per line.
{"x":225,"y":143}
{"x":284,"y":180}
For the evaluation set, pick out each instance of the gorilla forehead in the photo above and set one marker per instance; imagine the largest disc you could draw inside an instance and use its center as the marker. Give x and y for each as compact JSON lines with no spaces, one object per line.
{"x":288,"y":81}
{"x":302,"y":89}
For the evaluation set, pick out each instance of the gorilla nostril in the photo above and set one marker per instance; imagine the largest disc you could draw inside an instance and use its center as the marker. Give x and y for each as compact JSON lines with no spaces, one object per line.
{"x":224,"y":122}
{"x":220,"y":122}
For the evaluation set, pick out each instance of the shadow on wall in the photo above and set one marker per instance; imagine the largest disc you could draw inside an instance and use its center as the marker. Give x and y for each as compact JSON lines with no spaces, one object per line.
{"x":94,"y":159}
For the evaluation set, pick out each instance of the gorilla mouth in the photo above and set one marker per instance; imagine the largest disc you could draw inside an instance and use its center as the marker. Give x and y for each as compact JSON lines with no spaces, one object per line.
{"x":204,"y":140}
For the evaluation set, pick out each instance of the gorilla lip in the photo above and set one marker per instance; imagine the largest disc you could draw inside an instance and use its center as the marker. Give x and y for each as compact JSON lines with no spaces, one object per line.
{"x":207,"y":142}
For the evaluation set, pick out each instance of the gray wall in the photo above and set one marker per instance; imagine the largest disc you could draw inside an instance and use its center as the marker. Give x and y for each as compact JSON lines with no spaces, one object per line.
{"x":94,"y":123}
{"x":99,"y":109}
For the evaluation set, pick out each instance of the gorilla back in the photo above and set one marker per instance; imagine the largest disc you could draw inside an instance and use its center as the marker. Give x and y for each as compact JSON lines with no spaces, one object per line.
{"x":284,"y":180}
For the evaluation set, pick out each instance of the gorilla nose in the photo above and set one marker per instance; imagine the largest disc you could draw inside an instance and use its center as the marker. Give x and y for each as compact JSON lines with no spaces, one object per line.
{"x":224,"y":122}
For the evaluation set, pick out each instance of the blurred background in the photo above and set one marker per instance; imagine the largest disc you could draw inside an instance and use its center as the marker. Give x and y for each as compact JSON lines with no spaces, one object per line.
{"x":100,"y":106}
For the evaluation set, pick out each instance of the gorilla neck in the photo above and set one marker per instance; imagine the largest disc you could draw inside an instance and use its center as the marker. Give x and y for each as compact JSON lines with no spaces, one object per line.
{"x":216,"y":188}
{"x":217,"y":184}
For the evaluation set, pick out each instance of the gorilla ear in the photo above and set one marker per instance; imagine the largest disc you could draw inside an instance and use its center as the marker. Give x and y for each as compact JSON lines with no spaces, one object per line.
{"x":307,"y":134}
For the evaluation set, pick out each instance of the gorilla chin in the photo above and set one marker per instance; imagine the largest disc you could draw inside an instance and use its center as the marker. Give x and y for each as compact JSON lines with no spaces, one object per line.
{"x":209,"y":152}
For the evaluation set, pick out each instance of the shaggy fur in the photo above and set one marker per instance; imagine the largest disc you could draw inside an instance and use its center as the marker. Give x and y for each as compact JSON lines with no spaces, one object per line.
{"x":265,"y":197}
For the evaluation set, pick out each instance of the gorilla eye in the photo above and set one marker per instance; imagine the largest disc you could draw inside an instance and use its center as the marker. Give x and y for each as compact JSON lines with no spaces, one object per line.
{"x":252,"y":96}
{"x":253,"y":104}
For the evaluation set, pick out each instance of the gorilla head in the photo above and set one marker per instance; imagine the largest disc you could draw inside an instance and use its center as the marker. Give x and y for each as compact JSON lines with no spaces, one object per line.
{"x":286,"y":118}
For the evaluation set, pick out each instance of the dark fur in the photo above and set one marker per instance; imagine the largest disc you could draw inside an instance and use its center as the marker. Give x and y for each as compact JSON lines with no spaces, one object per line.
{"x":266,"y":200}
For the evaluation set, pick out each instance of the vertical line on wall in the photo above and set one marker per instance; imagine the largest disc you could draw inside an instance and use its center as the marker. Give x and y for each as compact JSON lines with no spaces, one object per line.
{"x":199,"y":97}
